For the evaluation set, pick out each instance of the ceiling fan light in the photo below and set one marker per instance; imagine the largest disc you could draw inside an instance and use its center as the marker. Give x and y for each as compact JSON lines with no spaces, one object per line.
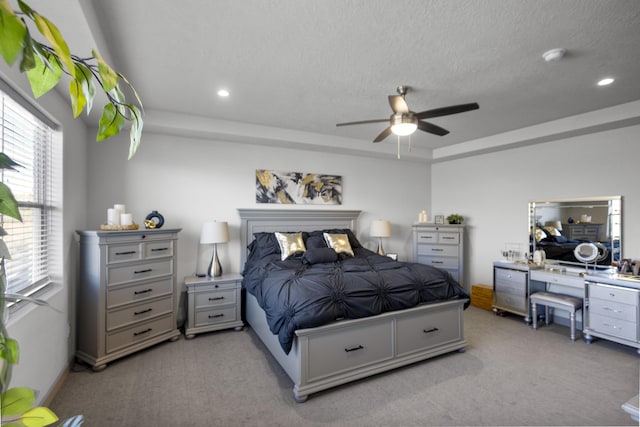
{"x":403,"y":124}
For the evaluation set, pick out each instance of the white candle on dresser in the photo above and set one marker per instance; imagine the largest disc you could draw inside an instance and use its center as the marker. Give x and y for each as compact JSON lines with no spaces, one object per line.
{"x":120,"y":208}
{"x":126,"y":219}
{"x":113,"y":217}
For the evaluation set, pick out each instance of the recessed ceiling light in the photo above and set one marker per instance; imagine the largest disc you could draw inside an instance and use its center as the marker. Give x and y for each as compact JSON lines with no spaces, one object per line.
{"x":223,"y":93}
{"x":605,"y":82}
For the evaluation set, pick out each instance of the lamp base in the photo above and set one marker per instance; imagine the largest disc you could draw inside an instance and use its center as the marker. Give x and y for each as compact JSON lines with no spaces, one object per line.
{"x":380,"y":250}
{"x":215,"y":269}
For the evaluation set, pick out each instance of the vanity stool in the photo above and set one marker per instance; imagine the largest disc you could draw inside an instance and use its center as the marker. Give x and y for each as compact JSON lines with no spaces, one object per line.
{"x":555,"y":301}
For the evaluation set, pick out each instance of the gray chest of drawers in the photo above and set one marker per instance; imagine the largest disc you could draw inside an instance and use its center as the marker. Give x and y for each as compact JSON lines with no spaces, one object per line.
{"x":214,"y":303}
{"x":126,"y":294}
{"x":586,"y":231}
{"x":440,"y":245}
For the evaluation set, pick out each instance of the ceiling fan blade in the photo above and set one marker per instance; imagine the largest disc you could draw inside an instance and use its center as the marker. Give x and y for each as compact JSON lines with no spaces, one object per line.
{"x":362,"y":122}
{"x":385,"y":133}
{"x":431,"y":128}
{"x":398,"y":104}
{"x":445,"y":111}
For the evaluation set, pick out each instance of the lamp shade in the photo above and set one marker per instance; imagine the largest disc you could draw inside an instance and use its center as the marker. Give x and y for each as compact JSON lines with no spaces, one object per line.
{"x":380,"y":228}
{"x":215,"y":232}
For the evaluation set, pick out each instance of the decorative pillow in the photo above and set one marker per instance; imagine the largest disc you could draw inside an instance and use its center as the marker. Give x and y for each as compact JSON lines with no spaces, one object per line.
{"x":339,"y":243}
{"x":353,"y":240}
{"x":314,"y":242}
{"x":263,"y":245}
{"x":552,"y":231}
{"x":291,"y":244}
{"x":540,"y":234}
{"x":319,"y":256}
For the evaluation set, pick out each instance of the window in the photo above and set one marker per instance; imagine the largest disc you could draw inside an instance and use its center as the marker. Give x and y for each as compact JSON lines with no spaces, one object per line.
{"x":28,"y":140}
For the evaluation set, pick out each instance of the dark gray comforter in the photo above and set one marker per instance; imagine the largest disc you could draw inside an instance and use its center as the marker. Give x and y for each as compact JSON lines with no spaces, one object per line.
{"x":296,"y":294}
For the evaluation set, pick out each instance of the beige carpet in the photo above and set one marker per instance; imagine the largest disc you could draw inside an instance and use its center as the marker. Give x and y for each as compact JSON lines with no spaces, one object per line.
{"x":509,"y":375}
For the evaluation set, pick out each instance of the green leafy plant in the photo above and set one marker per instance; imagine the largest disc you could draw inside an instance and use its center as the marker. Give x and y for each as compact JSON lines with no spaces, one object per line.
{"x":455,"y":219}
{"x":45,"y":64}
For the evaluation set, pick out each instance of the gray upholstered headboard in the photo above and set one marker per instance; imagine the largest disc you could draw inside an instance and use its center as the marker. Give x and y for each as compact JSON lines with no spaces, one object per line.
{"x":270,"y":220}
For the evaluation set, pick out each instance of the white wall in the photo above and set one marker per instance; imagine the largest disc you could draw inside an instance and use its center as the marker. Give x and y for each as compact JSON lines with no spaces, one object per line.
{"x":492,"y":191}
{"x":44,"y":335}
{"x":190,"y":181}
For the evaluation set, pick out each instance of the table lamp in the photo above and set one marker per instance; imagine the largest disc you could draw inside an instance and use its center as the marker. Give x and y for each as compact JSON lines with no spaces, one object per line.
{"x":214,"y":232}
{"x":380,"y":228}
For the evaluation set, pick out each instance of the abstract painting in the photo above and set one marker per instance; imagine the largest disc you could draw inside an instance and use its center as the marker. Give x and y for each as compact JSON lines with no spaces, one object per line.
{"x":298,"y":188}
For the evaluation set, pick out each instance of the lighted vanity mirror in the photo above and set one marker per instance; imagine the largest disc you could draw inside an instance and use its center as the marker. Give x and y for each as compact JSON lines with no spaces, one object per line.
{"x":558,"y":226}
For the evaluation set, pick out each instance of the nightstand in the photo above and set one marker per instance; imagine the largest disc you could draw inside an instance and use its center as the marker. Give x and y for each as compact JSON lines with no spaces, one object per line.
{"x":214,"y":303}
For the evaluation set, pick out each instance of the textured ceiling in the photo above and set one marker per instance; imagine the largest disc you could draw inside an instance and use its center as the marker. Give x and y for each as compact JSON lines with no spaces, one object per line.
{"x":306,"y":65}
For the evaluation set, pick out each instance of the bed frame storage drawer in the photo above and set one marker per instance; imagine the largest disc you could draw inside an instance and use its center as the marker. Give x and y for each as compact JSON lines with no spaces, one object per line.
{"x":349,"y":348}
{"x":416,"y":332}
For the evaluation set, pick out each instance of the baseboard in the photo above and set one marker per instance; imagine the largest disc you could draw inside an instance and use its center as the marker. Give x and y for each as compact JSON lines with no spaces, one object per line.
{"x":57,"y":385}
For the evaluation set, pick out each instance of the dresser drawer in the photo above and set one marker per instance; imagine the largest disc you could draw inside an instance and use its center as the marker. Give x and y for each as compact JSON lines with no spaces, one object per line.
{"x":215,"y":315}
{"x":125,"y":252}
{"x":615,"y":327}
{"x":614,"y":293}
{"x":450,"y":238}
{"x":613,"y":309}
{"x":440,"y":262}
{"x":138,"y":333}
{"x":347,"y":348}
{"x":427,"y":237}
{"x":158,"y":249}
{"x":213,"y":298}
{"x":129,"y":273}
{"x":138,"y":292}
{"x":135,"y":313}
{"x":437,"y":250}
{"x":423,"y":331}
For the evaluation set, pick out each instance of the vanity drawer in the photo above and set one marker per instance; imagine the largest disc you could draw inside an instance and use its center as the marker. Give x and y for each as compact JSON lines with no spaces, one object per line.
{"x":134,"y":272}
{"x":213,"y":298}
{"x":438,"y":250}
{"x":450,"y":238}
{"x":140,"y":332}
{"x":614,"y":293}
{"x":135,"y":313}
{"x":138,"y":292}
{"x":510,"y":279}
{"x":613,"y":309}
{"x":615,"y":327}
{"x":216,"y":315}
{"x":510,"y":300}
{"x":424,"y":331}
{"x":347,"y":348}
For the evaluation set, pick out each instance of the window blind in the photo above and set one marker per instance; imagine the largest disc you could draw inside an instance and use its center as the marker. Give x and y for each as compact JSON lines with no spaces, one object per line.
{"x":28,"y":141}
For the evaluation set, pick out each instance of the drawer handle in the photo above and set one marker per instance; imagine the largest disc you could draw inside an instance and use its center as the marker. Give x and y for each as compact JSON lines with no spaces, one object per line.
{"x":143,"y":311}
{"x":612,"y":326}
{"x":426,"y":237}
{"x":428,"y":331}
{"x":350,"y":349}
{"x":126,"y":253}
{"x":159,"y":249}
{"x":437,"y":250}
{"x":135,"y":334}
{"x":214,"y":316}
{"x":142,"y":292}
{"x":143,"y":271}
{"x":612,"y":309}
{"x":437,"y":262}
{"x":215,"y":298}
{"x":447,"y":238}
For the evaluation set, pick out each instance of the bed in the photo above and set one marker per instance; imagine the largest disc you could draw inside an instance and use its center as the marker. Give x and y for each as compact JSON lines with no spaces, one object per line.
{"x":362,"y":338}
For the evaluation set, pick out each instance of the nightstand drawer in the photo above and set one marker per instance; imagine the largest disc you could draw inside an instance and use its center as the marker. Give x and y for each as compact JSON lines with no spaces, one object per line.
{"x":142,"y":291}
{"x":129,"y":273}
{"x":136,"y":313}
{"x":140,"y":332}
{"x":213,"y":298}
{"x":215,"y":316}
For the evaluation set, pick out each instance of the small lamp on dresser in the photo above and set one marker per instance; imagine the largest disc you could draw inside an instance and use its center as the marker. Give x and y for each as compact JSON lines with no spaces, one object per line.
{"x":214,"y":232}
{"x":380,"y":228}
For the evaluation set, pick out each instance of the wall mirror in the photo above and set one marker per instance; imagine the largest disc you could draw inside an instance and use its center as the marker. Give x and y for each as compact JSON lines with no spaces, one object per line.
{"x":558,"y":226}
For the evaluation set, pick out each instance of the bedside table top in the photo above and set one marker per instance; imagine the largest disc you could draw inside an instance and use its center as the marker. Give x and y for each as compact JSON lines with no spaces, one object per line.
{"x":207,"y":280}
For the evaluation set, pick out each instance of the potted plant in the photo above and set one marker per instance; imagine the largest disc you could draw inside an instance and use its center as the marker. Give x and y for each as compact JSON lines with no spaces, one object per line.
{"x":455,"y":219}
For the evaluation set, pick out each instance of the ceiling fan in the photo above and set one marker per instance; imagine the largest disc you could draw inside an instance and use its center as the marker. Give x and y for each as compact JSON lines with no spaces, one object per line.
{"x":404,"y":121}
